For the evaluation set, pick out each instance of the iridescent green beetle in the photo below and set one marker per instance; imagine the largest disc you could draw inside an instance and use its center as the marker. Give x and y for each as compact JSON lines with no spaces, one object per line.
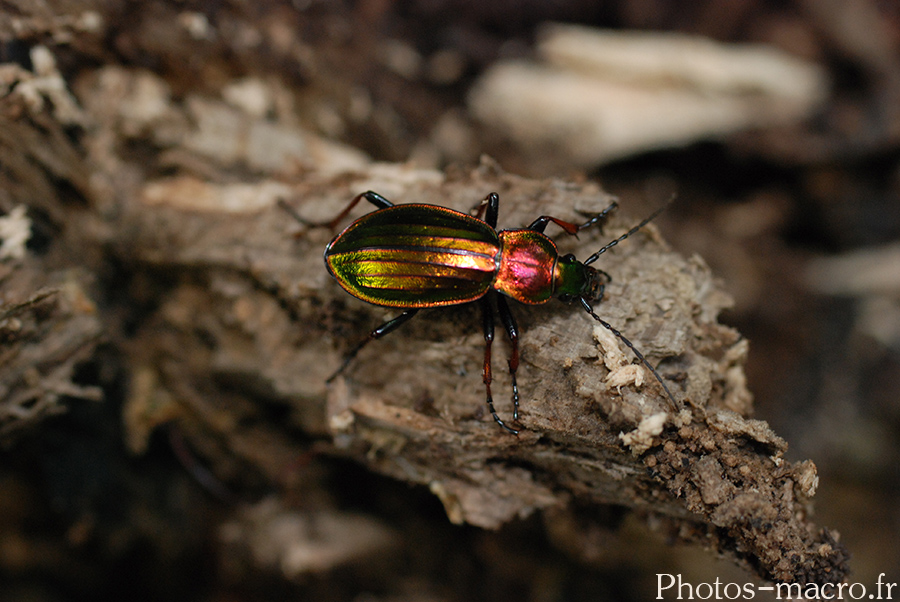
{"x":417,"y":256}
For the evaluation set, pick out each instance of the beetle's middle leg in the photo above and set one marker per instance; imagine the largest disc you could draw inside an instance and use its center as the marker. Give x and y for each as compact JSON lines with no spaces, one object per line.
{"x":512,"y":331}
{"x":489,"y":208}
{"x":487,"y":313}
{"x":386,"y":328}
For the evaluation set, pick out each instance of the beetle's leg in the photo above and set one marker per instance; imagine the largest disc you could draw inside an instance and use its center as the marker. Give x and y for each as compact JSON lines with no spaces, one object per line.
{"x":487,"y":316}
{"x":587,"y":307}
{"x":200,"y":473}
{"x":489,"y":208}
{"x":643,"y":223}
{"x":512,"y":331}
{"x":387,"y":327}
{"x":373,"y":197}
{"x":602,"y":286}
{"x":540,"y":223}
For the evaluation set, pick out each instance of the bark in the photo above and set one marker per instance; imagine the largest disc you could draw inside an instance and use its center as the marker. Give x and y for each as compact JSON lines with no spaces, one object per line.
{"x":254,"y":325}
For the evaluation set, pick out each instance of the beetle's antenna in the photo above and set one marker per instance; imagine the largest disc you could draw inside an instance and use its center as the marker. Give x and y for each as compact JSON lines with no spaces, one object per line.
{"x":587,"y":307}
{"x":643,"y":223}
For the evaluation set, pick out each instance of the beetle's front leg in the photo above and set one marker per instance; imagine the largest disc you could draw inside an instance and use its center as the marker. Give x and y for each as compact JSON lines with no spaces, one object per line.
{"x":613,"y":243}
{"x":386,"y":328}
{"x":487,"y":314}
{"x":540,"y":224}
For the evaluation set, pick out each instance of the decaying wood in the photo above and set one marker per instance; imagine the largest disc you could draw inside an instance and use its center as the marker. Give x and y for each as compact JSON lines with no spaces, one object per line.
{"x":48,"y":319}
{"x":237,"y":325}
{"x":253,"y":326}
{"x":45,"y":337}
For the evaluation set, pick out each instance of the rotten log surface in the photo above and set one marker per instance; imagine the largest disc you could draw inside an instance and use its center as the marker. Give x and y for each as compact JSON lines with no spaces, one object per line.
{"x":48,"y":326}
{"x":48,"y":318}
{"x":252,"y":325}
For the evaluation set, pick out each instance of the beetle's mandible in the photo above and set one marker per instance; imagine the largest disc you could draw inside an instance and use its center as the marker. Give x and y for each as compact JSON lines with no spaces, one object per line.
{"x":416,"y":256}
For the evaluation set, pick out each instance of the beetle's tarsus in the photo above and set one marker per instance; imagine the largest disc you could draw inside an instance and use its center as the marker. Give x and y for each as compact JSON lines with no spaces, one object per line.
{"x":299,"y":218}
{"x":540,"y":224}
{"x":515,"y":388}
{"x":373,"y":197}
{"x":512,"y":332}
{"x":337,"y":372}
{"x":386,"y":328}
{"x":643,"y":223}
{"x":497,"y":419}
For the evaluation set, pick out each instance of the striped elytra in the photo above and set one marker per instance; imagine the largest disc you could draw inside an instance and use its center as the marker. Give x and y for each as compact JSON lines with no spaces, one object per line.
{"x":415,"y":256}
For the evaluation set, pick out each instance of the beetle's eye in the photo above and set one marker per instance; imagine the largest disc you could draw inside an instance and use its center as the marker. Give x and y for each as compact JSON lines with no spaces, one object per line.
{"x":568,"y":258}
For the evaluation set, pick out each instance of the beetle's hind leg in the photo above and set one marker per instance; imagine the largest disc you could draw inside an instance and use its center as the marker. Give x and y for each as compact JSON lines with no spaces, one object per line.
{"x":373,"y":197}
{"x":386,"y":328}
{"x":487,"y":314}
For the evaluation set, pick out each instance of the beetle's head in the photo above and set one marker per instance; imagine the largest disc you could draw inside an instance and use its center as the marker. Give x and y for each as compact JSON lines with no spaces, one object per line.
{"x":596,"y":283}
{"x":578,"y":281}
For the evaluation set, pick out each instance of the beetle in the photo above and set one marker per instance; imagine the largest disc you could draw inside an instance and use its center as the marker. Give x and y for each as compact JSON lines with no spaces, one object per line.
{"x":416,"y":256}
